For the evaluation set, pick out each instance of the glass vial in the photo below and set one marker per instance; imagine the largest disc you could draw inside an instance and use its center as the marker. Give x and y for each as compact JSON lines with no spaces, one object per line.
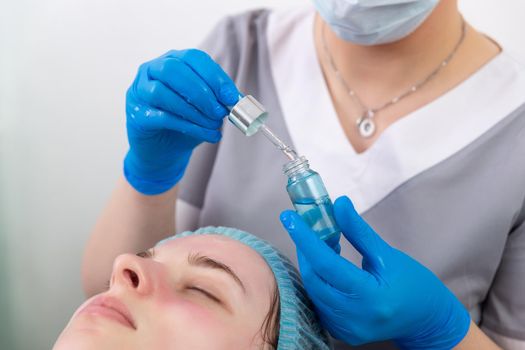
{"x":310,"y":198}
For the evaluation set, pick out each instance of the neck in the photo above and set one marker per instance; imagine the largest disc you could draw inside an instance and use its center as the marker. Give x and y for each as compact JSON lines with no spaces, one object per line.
{"x":397,"y":64}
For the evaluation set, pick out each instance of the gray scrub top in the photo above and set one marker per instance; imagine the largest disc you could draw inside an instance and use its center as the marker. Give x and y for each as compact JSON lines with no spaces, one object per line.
{"x":463,"y":217}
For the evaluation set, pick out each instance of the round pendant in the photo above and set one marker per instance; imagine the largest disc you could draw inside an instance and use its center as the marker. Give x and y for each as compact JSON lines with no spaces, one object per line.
{"x":367,"y":127}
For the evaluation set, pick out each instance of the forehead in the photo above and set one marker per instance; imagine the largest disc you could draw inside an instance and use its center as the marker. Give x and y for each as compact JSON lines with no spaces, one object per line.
{"x":251,"y":268}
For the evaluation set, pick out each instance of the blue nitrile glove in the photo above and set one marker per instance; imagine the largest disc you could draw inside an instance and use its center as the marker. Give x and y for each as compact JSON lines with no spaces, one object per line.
{"x":176,"y":102}
{"x":393,"y":297}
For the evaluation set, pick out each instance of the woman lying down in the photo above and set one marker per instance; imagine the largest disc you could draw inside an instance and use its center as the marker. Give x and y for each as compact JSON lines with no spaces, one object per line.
{"x":215,"y":288}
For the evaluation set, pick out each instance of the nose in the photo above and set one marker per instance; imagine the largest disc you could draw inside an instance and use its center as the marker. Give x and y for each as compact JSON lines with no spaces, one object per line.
{"x":132,"y":273}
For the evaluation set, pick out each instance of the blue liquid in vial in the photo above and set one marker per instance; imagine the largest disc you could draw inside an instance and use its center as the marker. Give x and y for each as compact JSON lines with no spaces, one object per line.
{"x":310,"y":198}
{"x":319,"y":215}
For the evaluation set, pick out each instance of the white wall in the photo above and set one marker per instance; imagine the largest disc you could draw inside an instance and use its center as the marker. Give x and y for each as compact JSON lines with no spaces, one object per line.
{"x":64,"y":69}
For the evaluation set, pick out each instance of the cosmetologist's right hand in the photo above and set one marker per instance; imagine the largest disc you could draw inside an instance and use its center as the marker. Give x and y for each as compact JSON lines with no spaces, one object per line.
{"x":176,"y":102}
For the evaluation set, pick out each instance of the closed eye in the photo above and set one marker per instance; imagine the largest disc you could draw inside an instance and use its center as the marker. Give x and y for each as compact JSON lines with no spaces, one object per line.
{"x":147,"y":254}
{"x":205,"y":293}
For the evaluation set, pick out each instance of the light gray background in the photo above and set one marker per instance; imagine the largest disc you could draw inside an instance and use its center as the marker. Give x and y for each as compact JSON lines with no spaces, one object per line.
{"x":64,"y":69}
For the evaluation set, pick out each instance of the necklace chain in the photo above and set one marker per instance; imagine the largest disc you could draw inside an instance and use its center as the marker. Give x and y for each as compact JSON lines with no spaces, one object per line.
{"x":365,"y":124}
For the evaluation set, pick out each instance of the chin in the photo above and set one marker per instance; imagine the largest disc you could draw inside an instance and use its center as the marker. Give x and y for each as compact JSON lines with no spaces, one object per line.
{"x":85,"y":343}
{"x":77,"y":343}
{"x":88,"y":338}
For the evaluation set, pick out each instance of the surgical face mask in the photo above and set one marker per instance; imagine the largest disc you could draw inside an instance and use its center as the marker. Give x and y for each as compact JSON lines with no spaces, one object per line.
{"x":373,"y":22}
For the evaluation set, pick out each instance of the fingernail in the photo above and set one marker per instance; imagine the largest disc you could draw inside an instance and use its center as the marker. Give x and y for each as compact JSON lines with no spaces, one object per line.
{"x":287,"y":219}
{"x":284,"y":217}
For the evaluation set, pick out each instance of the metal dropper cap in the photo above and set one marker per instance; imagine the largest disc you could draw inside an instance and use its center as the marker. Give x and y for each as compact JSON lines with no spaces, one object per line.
{"x":248,"y":115}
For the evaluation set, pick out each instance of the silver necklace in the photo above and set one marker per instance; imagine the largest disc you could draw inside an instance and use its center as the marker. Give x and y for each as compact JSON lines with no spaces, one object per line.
{"x":365,"y":123}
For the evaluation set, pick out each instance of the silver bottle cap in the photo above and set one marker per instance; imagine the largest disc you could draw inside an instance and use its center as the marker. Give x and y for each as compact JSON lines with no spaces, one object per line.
{"x":248,"y":115}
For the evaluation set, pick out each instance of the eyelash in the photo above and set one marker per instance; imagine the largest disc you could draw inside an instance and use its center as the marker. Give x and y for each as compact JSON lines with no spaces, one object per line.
{"x":206,"y":293}
{"x":146,"y":254}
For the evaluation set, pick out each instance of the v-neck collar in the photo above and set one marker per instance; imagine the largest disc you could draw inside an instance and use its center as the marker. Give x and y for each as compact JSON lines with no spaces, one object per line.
{"x":412,"y":144}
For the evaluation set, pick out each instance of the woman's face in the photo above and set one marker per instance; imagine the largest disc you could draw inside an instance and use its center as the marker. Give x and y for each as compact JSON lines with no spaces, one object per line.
{"x":196,"y":292}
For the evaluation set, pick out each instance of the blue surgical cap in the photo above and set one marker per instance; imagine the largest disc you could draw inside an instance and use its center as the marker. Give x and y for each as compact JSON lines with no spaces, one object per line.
{"x":299,"y":327}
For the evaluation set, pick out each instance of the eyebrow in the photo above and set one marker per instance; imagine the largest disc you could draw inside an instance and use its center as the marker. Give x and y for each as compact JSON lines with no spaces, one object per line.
{"x":197,"y":259}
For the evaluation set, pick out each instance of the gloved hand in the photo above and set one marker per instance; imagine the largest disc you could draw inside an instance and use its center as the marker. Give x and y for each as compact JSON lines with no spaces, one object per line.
{"x":176,"y":102}
{"x":393,"y":297}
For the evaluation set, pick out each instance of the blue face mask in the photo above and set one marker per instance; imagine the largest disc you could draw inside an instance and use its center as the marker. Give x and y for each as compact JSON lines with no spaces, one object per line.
{"x":373,"y":22}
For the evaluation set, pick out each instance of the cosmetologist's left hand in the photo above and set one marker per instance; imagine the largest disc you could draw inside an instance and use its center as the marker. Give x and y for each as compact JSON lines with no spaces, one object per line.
{"x":393,"y":297}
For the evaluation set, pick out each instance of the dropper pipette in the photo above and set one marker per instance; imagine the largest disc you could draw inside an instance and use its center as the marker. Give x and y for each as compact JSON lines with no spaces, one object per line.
{"x":287,"y":150}
{"x":249,"y":116}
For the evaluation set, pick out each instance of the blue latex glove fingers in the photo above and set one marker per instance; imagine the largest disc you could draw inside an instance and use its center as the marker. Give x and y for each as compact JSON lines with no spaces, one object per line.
{"x":362,"y":237}
{"x":155,"y":94}
{"x":188,"y":85}
{"x":154,"y":119}
{"x":221,"y":84}
{"x":318,"y":289}
{"x":333,"y":307}
{"x":323,"y":260}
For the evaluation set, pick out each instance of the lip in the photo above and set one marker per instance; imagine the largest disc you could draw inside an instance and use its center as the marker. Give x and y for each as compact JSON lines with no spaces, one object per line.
{"x":111,"y":308}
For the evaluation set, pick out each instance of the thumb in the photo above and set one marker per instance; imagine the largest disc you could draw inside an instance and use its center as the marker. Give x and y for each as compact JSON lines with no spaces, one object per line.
{"x":357,"y":231}
{"x":325,"y":262}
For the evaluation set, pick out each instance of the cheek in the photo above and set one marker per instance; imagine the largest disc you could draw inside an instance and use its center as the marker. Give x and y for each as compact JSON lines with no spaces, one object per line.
{"x":179,"y":307}
{"x":184,"y":323}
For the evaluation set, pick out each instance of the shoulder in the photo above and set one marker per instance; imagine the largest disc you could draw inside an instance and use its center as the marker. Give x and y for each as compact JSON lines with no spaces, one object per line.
{"x":238,"y":38}
{"x":251,"y":28}
{"x":241,"y":25}
{"x":233,"y":33}
{"x":256,"y":22}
